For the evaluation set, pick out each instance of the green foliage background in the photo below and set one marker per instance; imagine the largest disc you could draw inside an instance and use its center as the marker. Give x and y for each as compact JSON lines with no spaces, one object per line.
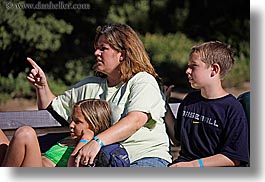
{"x":61,"y":41}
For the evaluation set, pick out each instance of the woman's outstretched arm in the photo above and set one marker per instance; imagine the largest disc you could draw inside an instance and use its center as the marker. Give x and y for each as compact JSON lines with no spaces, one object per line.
{"x":37,"y":78}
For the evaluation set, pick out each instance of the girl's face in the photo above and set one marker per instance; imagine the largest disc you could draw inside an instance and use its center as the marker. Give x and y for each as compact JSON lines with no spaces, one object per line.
{"x":198,"y":73}
{"x":79,"y":125}
{"x":108,"y":59}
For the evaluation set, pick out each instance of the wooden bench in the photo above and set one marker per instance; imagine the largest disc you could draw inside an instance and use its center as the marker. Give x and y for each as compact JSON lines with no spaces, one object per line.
{"x":48,"y":125}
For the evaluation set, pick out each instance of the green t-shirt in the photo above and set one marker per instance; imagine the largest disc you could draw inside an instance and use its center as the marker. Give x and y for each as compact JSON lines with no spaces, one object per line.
{"x":140,"y":93}
{"x":59,"y":154}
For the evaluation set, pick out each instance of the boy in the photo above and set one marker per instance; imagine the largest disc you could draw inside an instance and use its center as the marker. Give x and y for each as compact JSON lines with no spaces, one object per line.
{"x":211,"y":124}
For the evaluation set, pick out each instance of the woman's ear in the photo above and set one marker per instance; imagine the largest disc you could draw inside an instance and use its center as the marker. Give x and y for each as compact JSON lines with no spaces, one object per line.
{"x":122,"y":56}
{"x":215,"y":69}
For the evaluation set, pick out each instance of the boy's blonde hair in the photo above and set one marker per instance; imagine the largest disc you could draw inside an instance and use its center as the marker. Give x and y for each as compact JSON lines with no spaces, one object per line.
{"x":97,"y":112}
{"x":215,"y":52}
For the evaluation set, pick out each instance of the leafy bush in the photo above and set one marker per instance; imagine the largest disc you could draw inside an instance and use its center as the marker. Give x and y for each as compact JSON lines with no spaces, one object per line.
{"x":15,"y":87}
{"x":28,"y":35}
{"x":168,"y":48}
{"x":19,"y":87}
{"x":169,"y":55}
{"x":239,"y":74}
{"x":57,"y":86}
{"x":77,"y":70}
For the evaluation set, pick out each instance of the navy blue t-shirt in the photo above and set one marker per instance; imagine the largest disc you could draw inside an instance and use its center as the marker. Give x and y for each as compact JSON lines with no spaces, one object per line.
{"x":206,"y":127}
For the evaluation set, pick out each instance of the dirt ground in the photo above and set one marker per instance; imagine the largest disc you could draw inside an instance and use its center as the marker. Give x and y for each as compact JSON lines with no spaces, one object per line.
{"x":18,"y":104}
{"x":21,"y":104}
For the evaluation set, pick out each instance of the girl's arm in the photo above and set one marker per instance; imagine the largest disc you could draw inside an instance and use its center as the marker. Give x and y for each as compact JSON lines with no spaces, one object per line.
{"x":86,"y":138}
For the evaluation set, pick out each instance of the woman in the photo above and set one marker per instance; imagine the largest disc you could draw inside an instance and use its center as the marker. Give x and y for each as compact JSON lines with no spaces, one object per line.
{"x":128,"y":81}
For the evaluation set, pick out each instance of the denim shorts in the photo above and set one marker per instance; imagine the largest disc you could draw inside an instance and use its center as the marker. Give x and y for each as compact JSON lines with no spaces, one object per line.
{"x":150,"y":162}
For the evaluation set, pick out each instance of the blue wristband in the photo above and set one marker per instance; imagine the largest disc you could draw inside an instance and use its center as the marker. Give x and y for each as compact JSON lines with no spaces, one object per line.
{"x":200,"y":162}
{"x":99,"y":141}
{"x":83,"y":141}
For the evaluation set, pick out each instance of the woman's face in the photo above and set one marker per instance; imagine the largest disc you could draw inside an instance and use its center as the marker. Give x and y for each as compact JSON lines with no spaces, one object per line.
{"x":108,"y":59}
{"x":79,"y":125}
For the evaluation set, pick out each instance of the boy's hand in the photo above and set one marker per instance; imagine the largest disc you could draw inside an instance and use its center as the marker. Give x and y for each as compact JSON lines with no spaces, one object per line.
{"x":167,"y":91}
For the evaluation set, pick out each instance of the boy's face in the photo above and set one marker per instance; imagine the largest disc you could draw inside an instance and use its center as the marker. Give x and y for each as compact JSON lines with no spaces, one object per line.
{"x":198,"y":73}
{"x":78,"y":125}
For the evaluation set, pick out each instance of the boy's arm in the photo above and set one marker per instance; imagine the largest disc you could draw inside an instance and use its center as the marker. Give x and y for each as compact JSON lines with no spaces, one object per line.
{"x":218,"y":160}
{"x":170,"y":119}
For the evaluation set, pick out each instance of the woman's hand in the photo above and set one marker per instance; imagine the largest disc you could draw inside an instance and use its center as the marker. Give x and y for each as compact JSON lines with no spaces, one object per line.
{"x":38,"y":79}
{"x":36,"y":76}
{"x":86,"y":155}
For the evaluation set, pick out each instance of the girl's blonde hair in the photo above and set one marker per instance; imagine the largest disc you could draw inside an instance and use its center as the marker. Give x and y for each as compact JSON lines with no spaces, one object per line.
{"x":124,"y":39}
{"x":97,"y":112}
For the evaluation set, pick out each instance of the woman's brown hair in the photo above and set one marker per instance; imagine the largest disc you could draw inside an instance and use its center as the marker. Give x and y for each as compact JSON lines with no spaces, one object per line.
{"x":124,"y":39}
